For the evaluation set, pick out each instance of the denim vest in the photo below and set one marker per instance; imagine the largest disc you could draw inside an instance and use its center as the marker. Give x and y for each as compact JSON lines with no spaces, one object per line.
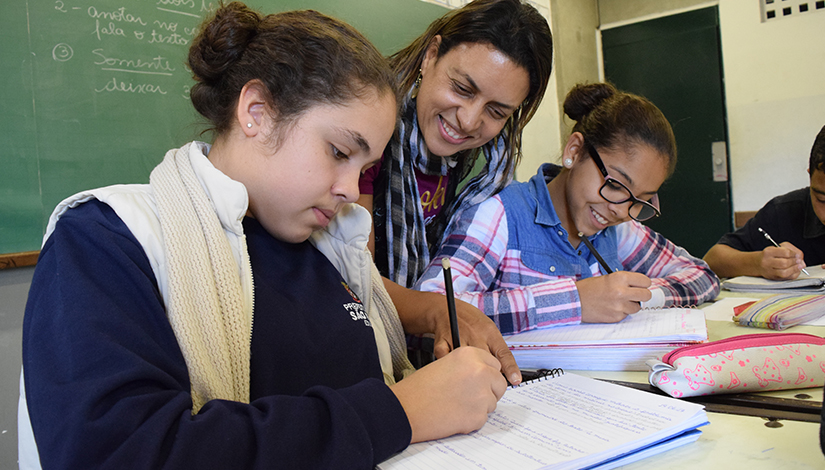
{"x":535,"y":230}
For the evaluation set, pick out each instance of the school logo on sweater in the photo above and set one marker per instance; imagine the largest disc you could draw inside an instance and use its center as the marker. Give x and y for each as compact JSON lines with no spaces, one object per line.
{"x":356,"y":308}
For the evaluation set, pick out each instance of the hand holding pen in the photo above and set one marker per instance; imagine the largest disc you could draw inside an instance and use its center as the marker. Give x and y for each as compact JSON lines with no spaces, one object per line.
{"x":778,"y":262}
{"x":483,"y":333}
{"x":613,"y":296}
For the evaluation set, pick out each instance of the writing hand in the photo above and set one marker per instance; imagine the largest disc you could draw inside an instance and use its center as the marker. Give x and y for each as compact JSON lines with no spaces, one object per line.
{"x":476,"y":329}
{"x":426,"y":312}
{"x":610,"y":298}
{"x":784,"y":262}
{"x":451,"y":395}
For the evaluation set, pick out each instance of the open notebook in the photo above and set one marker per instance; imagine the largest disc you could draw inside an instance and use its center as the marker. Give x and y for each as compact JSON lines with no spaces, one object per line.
{"x":625,"y":346}
{"x":812,"y":283}
{"x":565,"y":422}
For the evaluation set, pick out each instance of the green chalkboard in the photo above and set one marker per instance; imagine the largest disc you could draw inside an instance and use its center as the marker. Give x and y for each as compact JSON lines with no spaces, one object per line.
{"x":94,"y":92}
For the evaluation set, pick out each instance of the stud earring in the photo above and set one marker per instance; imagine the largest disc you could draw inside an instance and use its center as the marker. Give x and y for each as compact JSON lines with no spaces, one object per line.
{"x":416,"y":86}
{"x":568,"y":162}
{"x":248,"y":124}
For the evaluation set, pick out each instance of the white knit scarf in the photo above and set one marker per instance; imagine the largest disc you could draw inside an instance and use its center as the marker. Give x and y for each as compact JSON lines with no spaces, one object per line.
{"x":205,"y":302}
{"x":401,"y":365}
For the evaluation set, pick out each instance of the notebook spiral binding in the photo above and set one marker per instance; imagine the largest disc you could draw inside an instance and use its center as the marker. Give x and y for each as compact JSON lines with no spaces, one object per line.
{"x":538,"y":375}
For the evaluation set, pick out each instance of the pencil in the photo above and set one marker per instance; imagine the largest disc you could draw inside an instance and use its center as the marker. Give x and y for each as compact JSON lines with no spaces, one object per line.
{"x":770,"y":239}
{"x":595,"y":253}
{"x":448,"y":285}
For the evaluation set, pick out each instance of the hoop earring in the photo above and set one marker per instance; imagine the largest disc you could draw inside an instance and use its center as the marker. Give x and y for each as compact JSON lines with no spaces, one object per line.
{"x":416,"y":86}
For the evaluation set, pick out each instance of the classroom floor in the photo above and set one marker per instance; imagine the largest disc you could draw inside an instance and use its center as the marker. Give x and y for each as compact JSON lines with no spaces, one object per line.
{"x":14,"y":288}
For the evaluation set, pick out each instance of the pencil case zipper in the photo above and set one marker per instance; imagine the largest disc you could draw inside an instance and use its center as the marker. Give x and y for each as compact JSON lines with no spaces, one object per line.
{"x":741,"y":342}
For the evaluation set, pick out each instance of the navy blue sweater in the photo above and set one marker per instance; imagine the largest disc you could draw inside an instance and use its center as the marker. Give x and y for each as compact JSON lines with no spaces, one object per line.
{"x":789,"y":217}
{"x":107,"y":385}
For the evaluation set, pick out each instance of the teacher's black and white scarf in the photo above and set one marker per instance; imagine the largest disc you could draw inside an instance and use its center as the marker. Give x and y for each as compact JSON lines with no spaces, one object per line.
{"x":404,"y":243}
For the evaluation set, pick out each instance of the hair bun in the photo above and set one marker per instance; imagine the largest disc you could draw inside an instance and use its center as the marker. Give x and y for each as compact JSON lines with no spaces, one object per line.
{"x":222,"y":41}
{"x":584,"y":98}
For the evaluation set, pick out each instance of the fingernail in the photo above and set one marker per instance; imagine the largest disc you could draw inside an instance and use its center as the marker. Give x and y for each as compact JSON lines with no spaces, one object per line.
{"x":514,"y":378}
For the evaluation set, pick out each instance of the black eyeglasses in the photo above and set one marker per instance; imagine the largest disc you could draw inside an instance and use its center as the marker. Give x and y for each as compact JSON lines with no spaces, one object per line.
{"x":615,"y":192}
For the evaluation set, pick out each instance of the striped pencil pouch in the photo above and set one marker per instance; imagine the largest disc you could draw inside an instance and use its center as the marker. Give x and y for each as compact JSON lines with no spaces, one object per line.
{"x":780,"y":311}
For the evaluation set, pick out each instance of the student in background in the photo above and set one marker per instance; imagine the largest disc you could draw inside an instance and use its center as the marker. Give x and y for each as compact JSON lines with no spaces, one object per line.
{"x":139,"y":349}
{"x":522,"y":256}
{"x":472,"y":81}
{"x":796,"y":221}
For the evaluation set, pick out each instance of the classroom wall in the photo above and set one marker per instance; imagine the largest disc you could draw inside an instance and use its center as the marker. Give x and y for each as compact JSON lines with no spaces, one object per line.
{"x":775,"y":97}
{"x":541,"y":141}
{"x":574,"y":32}
{"x":14,"y":288}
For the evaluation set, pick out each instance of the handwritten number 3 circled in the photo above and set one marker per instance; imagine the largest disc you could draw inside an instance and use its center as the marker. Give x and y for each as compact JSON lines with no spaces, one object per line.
{"x":62,"y":52}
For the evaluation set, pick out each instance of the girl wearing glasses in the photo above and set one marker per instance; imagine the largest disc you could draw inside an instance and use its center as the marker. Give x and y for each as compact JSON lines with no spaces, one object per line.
{"x":568,"y":246}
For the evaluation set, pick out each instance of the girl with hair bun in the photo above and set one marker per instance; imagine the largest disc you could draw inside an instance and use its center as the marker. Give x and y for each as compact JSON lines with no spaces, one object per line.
{"x":523,"y":257}
{"x":139,"y":345}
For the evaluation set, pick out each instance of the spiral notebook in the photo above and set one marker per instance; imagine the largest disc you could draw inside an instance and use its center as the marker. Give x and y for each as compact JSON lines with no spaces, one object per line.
{"x":564,"y":422}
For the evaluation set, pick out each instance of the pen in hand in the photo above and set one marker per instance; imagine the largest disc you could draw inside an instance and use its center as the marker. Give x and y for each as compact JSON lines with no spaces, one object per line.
{"x":595,"y":253}
{"x":448,"y":285}
{"x":770,"y":239}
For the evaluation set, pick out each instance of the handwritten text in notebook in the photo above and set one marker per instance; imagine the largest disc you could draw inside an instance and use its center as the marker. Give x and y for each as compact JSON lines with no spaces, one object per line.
{"x":564,"y":422}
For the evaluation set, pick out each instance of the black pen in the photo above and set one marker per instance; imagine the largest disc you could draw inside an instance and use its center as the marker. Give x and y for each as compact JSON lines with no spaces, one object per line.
{"x":448,"y":285}
{"x":595,"y":253}
{"x":770,"y":239}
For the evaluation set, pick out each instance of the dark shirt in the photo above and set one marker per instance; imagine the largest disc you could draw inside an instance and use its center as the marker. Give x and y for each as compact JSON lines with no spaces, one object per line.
{"x":790,"y":218}
{"x":310,"y":334}
{"x":107,"y":385}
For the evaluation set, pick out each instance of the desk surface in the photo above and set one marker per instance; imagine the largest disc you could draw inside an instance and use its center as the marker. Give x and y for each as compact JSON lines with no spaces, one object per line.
{"x":735,"y":442}
{"x":743,"y":442}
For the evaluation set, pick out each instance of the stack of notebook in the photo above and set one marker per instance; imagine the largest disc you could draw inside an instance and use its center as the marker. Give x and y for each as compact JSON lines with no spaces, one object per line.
{"x":623,"y":346}
{"x":811,"y":283}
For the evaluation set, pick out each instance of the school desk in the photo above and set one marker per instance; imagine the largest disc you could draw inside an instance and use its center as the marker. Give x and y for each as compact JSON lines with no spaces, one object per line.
{"x":734,"y":441}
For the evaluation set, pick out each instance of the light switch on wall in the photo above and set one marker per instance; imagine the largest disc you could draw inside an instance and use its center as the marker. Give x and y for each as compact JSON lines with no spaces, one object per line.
{"x":719,"y":154}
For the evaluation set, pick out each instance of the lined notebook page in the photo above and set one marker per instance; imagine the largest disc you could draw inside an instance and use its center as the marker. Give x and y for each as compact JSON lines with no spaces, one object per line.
{"x":645,"y":326}
{"x":564,"y":422}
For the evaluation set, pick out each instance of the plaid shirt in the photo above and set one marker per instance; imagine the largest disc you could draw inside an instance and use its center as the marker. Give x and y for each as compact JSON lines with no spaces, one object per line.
{"x":489,"y":272}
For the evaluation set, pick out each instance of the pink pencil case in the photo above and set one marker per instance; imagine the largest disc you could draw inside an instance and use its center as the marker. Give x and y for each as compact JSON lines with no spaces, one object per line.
{"x":747,"y":363}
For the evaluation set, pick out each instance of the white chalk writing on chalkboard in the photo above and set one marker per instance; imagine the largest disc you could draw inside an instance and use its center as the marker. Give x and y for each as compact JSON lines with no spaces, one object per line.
{"x":149,"y":40}
{"x":128,"y":87}
{"x":153,"y":66}
{"x":119,"y":15}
